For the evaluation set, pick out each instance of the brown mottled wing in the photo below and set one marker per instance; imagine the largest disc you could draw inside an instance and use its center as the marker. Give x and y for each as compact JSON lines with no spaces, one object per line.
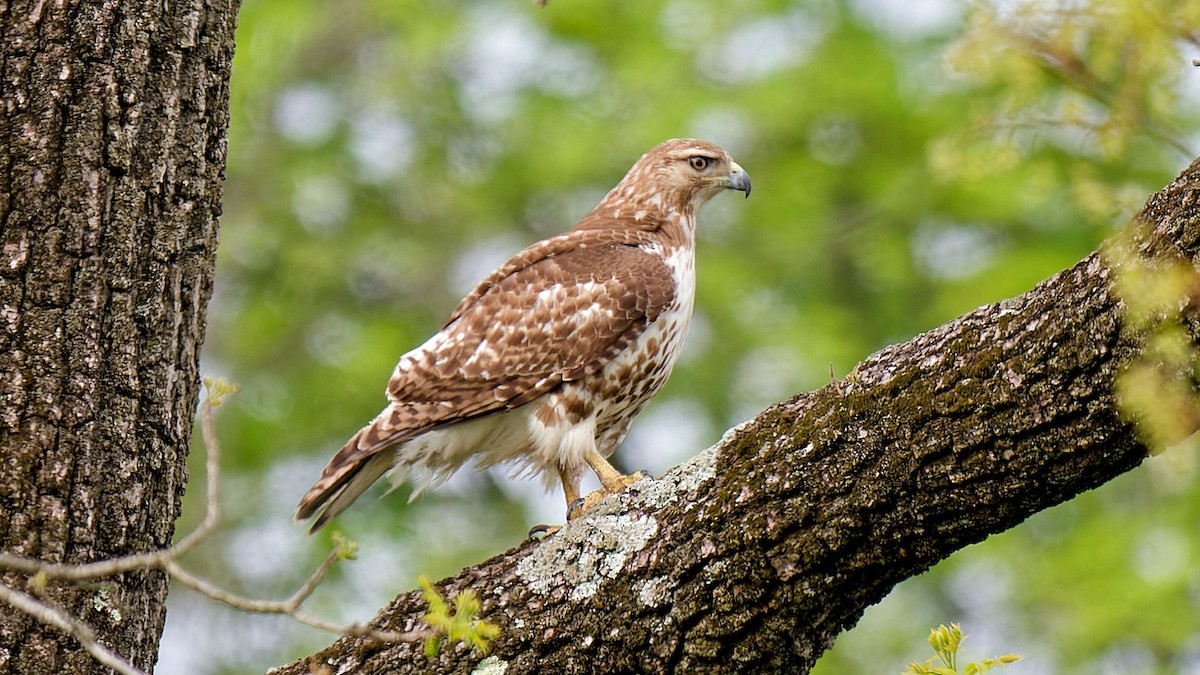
{"x":557,"y":311}
{"x":558,"y":319}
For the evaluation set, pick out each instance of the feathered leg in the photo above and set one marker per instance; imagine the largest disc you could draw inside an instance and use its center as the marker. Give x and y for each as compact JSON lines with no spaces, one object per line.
{"x":570,"y":483}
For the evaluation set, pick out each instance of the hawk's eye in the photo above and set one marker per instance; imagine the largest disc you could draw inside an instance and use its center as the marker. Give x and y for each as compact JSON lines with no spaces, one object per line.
{"x":698,"y":163}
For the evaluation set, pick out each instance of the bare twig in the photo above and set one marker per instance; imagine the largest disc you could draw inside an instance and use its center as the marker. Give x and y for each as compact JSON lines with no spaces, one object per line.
{"x":53,"y":616}
{"x":212,"y":471}
{"x":166,"y":560}
{"x":152,"y":559}
{"x":291,"y":605}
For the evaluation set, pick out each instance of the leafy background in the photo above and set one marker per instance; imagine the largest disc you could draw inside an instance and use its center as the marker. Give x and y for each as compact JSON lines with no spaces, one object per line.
{"x":912,"y":160}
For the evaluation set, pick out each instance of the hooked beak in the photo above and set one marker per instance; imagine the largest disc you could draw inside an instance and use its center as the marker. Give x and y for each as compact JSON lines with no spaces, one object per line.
{"x":738,"y":179}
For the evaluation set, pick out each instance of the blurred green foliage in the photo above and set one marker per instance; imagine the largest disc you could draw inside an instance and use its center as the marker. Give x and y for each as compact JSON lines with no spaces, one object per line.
{"x":911,"y":160}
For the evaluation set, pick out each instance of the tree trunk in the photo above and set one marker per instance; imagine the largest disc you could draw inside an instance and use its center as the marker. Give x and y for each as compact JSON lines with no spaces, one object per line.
{"x":756,"y":554}
{"x":112,"y":147}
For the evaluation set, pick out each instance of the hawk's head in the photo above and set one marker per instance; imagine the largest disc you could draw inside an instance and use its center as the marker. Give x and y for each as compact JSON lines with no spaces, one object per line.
{"x":694,"y":169}
{"x":667,"y":183}
{"x":680,"y":174}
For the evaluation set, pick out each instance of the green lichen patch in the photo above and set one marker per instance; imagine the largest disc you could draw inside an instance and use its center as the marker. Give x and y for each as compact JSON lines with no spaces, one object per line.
{"x":655,"y":592}
{"x":492,"y":665}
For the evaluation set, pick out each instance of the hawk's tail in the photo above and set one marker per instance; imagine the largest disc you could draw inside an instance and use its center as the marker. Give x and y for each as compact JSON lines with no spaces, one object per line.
{"x":351,"y":471}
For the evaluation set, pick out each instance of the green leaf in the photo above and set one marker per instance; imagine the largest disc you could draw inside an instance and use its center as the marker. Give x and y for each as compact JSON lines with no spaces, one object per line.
{"x":460,"y":627}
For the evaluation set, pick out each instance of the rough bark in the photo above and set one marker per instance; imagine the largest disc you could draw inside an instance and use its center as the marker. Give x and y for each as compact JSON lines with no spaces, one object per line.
{"x":112,"y":147}
{"x":756,"y":554}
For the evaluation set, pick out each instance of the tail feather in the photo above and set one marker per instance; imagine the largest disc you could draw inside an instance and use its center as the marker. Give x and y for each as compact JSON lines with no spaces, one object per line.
{"x":354,"y":468}
{"x":342,"y":495}
{"x":364,"y":459}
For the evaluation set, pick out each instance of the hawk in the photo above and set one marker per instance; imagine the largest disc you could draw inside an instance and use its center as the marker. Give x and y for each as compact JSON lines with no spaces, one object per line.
{"x":546,"y":363}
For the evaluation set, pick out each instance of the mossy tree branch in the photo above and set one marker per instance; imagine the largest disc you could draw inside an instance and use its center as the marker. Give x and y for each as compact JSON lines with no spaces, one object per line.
{"x":756,"y":554}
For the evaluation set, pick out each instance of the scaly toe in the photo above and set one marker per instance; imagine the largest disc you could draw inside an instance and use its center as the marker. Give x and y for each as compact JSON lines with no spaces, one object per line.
{"x":581,"y":505}
{"x":625,"y":481}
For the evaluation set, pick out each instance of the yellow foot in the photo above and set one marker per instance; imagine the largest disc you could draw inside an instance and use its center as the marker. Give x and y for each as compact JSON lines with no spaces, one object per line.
{"x":579,"y":506}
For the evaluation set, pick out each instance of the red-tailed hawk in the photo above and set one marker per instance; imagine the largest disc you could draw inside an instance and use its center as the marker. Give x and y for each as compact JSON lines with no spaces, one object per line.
{"x":548,"y":360}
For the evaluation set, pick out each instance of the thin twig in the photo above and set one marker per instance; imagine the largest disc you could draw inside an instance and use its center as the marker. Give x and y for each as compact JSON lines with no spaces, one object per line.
{"x":315,"y":579}
{"x":291,"y":605}
{"x":212,"y":470}
{"x":53,"y":616}
{"x":166,"y":560}
{"x":152,"y":559}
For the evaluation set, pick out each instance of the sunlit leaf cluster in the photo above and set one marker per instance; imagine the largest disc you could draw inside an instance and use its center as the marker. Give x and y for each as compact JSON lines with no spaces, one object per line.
{"x":1158,"y":392}
{"x":946,"y":642}
{"x":456,"y":625}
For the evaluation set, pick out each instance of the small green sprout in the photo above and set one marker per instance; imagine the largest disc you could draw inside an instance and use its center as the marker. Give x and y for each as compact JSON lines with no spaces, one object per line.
{"x":345,"y":547}
{"x":462,"y":626}
{"x":217,"y":389}
{"x":945,"y":642}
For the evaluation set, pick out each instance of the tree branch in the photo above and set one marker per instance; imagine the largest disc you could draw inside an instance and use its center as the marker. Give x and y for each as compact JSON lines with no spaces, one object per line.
{"x":756,"y":554}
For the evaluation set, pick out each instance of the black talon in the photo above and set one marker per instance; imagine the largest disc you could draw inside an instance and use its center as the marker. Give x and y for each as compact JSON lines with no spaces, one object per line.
{"x":575,"y":508}
{"x":540,"y":532}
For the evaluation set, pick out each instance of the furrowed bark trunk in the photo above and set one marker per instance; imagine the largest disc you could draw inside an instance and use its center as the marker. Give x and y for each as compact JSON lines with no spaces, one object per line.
{"x":112,"y":147}
{"x":756,"y":554}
